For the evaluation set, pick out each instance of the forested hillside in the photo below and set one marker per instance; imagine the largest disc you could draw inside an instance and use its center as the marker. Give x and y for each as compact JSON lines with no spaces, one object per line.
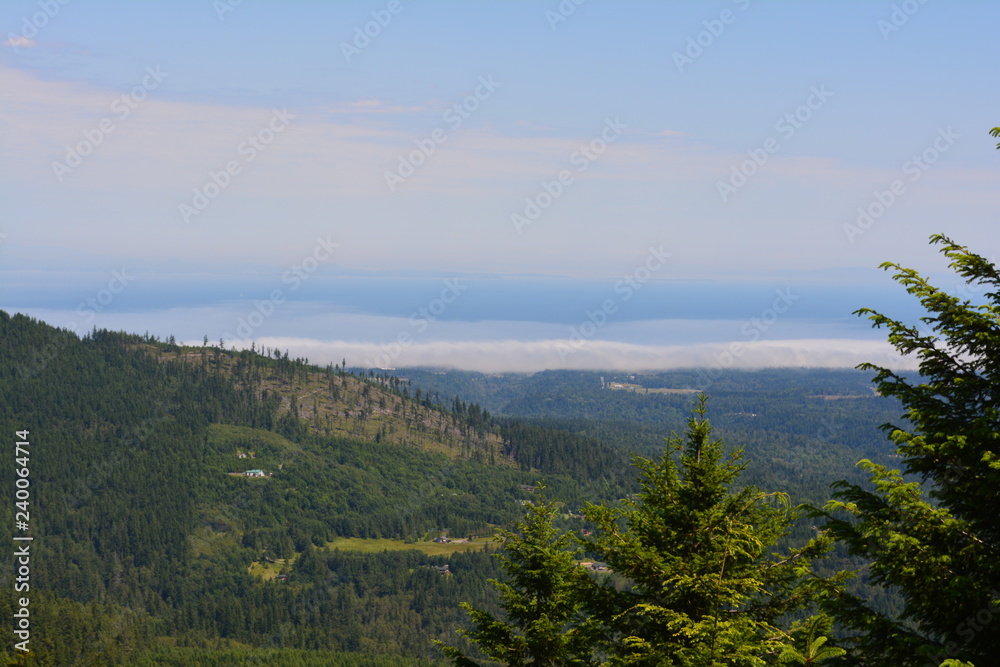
{"x":802,"y":428}
{"x":147,"y":528}
{"x":153,"y":546}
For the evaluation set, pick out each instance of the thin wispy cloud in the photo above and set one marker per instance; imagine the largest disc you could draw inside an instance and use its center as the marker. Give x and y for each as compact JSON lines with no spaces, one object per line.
{"x":19,"y":42}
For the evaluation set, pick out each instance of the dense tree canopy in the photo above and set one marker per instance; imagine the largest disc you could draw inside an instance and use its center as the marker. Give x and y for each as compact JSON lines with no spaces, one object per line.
{"x":694,"y":580}
{"x":932,"y":531}
{"x":544,"y":599}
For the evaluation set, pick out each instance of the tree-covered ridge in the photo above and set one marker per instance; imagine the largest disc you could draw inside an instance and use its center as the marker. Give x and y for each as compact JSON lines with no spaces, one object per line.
{"x":802,"y":428}
{"x":295,"y":397}
{"x":139,"y":519}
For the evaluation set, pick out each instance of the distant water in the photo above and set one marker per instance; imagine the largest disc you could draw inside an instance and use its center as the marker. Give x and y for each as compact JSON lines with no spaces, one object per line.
{"x":399,"y":321}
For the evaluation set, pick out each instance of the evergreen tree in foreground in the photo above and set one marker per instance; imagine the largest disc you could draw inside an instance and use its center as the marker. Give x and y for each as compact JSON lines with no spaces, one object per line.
{"x":694,"y":581}
{"x":543,"y":600}
{"x":937,"y":540}
{"x":706,"y":589}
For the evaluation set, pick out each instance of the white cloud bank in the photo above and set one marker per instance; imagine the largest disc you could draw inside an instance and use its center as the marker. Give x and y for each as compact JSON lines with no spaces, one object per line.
{"x":500,"y":346}
{"x":531,"y":356}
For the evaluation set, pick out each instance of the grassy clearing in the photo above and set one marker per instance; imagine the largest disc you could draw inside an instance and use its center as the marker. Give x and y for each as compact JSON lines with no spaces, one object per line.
{"x":265,"y":570}
{"x":249,"y":439}
{"x":429,"y":548}
{"x":838,"y":397}
{"x":664,"y":390}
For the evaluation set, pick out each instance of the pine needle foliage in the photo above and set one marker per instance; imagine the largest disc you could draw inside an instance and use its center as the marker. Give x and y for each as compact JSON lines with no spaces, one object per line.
{"x":705,"y":588}
{"x":543,"y":599}
{"x":934,"y":536}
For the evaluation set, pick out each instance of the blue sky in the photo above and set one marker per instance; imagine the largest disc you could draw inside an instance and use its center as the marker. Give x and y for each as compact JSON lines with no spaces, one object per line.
{"x":611,"y":185}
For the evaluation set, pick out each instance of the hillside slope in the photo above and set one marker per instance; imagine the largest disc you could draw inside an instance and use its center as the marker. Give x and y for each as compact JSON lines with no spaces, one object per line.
{"x":148,"y":535}
{"x":336,"y":403}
